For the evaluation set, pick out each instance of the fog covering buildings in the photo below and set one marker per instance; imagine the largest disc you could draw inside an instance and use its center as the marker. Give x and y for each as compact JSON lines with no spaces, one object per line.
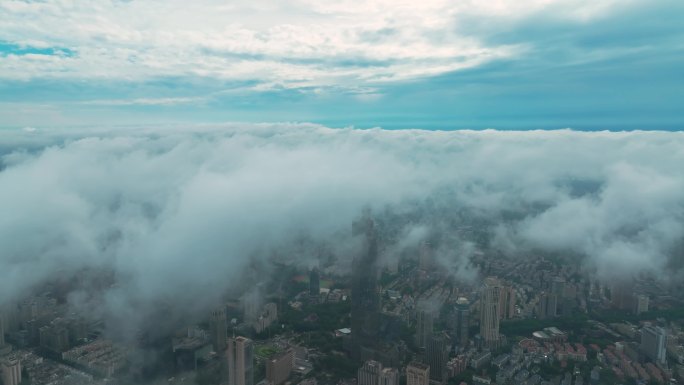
{"x":151,"y":231}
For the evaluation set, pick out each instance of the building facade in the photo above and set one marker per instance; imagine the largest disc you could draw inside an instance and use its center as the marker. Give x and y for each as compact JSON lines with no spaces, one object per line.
{"x":424,"y":326}
{"x":218,"y":328}
{"x":240,"y":355}
{"x":278,"y":368}
{"x":369,"y":373}
{"x":436,"y":356}
{"x":389,"y":376}
{"x":11,"y":371}
{"x":461,"y":322}
{"x":489,"y":311}
{"x":417,"y":373}
{"x":654,"y":343}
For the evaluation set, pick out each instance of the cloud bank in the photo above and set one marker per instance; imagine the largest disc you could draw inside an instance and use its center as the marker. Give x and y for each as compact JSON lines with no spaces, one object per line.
{"x":295,"y":43}
{"x":178,"y":215}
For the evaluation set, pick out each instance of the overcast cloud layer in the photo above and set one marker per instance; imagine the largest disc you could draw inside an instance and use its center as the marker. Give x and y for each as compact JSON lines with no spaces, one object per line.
{"x":401,"y":63}
{"x":178,"y":216}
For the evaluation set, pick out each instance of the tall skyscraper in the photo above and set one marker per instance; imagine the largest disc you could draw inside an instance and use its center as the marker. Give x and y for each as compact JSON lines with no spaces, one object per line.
{"x":2,"y":330}
{"x":489,"y":311}
{"x":369,"y":373}
{"x":278,"y":368}
{"x":240,"y":361}
{"x":654,"y":343}
{"x":437,"y":355}
{"x":424,"y":326}
{"x":621,"y":295}
{"x":461,"y":322}
{"x":417,"y":373}
{"x":507,"y":302}
{"x":425,"y":257}
{"x":558,"y":285}
{"x":314,"y":282}
{"x":11,"y":371}
{"x":365,"y":301}
{"x":218,"y":329}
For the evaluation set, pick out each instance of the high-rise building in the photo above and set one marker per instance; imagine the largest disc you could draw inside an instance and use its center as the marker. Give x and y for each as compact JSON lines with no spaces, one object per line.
{"x":437,"y":355}
{"x":314,"y":282}
{"x":547,"y":305}
{"x":389,"y":376}
{"x":425,"y":257}
{"x":558,"y":286}
{"x":2,"y":330}
{"x":507,"y":302}
{"x":369,"y":373}
{"x":489,"y":311}
{"x":55,"y":336}
{"x":278,"y":368}
{"x":218,"y":329}
{"x":240,"y":361}
{"x":640,"y":304}
{"x":654,"y":343}
{"x":365,"y":301}
{"x":424,"y":326}
{"x":11,"y":371}
{"x":417,"y":373}
{"x":557,"y":291}
{"x":461,"y":322}
{"x":269,"y":315}
{"x":621,"y":295}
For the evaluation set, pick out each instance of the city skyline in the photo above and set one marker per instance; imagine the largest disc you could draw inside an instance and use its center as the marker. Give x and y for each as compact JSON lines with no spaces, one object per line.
{"x":380,"y":192}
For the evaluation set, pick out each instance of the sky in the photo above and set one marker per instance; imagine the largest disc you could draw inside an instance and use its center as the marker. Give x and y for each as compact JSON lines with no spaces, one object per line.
{"x":433,"y":64}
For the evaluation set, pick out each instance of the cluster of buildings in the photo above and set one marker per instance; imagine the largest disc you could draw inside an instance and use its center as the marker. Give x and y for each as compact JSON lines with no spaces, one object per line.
{"x":418,"y":327}
{"x":40,"y":323}
{"x":101,"y":357}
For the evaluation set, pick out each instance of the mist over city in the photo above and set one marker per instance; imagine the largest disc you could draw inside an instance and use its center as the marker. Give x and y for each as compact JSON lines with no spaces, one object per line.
{"x":146,"y":233}
{"x":341,"y":193}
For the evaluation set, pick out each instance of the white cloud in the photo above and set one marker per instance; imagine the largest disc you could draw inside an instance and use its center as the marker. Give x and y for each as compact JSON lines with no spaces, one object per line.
{"x":145,"y":101}
{"x":179,"y":213}
{"x":293,"y":43}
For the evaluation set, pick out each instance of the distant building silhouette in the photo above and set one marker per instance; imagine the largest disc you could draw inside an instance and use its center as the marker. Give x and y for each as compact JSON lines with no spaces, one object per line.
{"x":365,"y":300}
{"x":2,"y":330}
{"x":621,"y":295}
{"x":218,"y":328}
{"x":314,"y":282}
{"x":425,"y":261}
{"x":547,"y":306}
